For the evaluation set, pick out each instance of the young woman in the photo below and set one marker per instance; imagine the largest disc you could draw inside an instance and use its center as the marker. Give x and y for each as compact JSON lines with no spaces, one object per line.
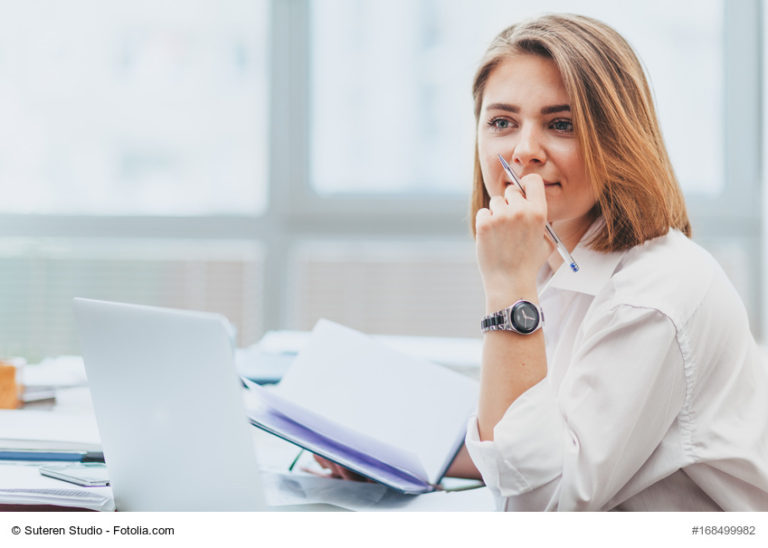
{"x":634,"y":383}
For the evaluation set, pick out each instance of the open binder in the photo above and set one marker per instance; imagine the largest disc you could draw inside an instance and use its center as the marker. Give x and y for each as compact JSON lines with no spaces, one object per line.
{"x":395,"y":419}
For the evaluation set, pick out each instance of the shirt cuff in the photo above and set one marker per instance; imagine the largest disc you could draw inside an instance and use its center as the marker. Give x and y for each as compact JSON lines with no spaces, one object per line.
{"x":527,"y":448}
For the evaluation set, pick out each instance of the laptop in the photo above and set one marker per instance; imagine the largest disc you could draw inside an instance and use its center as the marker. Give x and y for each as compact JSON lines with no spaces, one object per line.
{"x":169,"y":408}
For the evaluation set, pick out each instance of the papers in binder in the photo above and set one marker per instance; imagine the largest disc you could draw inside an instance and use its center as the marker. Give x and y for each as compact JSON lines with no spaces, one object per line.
{"x":396,"y":419}
{"x":42,"y":435}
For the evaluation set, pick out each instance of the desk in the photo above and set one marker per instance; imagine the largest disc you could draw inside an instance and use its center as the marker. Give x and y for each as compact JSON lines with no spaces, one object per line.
{"x":283,"y":490}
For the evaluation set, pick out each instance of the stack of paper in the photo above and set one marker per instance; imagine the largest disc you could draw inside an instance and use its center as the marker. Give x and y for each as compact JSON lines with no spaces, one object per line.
{"x":23,"y":485}
{"x":44,"y":435}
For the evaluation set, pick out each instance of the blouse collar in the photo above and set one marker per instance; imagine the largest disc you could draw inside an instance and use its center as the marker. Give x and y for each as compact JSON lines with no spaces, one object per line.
{"x":595,"y":267}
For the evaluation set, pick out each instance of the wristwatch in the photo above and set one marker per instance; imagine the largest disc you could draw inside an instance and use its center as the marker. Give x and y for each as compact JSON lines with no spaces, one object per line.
{"x":523,"y":317}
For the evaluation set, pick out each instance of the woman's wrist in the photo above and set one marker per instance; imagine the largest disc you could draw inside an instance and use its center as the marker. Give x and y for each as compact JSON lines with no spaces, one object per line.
{"x":502,"y":297}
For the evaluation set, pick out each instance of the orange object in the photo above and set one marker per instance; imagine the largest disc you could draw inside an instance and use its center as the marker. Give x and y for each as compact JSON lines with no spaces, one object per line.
{"x":9,"y":390}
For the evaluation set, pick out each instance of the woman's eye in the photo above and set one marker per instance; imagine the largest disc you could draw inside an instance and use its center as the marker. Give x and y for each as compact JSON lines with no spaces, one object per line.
{"x":500,"y":123}
{"x":563,"y":125}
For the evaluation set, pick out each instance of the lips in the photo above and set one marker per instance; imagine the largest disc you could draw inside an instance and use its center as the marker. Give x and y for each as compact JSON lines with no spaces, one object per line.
{"x":507,"y":183}
{"x":546,"y":184}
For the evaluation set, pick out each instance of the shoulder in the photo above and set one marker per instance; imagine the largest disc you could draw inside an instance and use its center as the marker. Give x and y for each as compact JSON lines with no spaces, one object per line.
{"x":671,"y":274}
{"x":669,"y":259}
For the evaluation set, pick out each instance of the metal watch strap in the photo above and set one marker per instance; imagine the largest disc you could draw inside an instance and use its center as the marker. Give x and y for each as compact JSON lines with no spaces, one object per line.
{"x":493,"y":322}
{"x":502,"y":320}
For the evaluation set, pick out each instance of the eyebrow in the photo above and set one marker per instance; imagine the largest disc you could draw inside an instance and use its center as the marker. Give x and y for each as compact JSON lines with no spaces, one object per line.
{"x":545,"y":110}
{"x":556,"y":108}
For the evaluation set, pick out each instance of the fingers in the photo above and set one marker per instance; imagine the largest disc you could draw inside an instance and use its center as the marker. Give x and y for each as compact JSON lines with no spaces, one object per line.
{"x":535,"y":192}
{"x":325,"y":463}
{"x":516,"y":204}
{"x":532,"y":198}
{"x":497,"y":205}
{"x":513,"y":193}
{"x":315,"y":472}
{"x":509,"y":234}
{"x":332,"y":468}
{"x":349,"y":474}
{"x":336,"y":470}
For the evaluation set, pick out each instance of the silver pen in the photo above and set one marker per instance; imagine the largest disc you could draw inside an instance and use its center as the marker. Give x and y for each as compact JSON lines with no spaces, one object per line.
{"x":558,"y":243}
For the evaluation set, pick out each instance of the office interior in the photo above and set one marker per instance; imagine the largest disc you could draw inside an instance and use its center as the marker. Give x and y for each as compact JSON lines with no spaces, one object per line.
{"x":282,"y":161}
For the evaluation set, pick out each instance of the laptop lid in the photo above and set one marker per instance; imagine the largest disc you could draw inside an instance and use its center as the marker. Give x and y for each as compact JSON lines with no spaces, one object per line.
{"x":169,"y":408}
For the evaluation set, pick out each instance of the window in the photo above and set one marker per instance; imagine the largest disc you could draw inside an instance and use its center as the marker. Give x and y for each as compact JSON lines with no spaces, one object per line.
{"x":280,"y":160}
{"x":391,"y":107}
{"x":134,"y":108}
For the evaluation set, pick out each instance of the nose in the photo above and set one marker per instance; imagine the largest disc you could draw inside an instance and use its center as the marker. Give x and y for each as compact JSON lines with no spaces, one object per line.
{"x":529,"y":151}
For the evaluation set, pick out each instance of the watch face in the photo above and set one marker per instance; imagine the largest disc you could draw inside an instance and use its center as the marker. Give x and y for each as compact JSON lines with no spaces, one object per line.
{"x":525,"y":317}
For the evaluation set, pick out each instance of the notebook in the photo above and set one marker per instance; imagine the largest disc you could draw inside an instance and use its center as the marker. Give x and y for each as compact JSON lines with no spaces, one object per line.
{"x":169,"y":408}
{"x":393,"y":418}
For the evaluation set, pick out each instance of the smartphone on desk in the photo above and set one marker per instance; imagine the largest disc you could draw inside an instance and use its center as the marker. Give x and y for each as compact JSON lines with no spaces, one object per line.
{"x":85,"y":474}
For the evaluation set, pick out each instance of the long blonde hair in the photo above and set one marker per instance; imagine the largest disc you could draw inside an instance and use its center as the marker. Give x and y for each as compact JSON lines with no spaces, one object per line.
{"x":619,"y":137}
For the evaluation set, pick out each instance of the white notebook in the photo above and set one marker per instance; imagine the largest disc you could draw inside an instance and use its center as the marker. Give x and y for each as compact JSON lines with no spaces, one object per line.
{"x":393,"y":418}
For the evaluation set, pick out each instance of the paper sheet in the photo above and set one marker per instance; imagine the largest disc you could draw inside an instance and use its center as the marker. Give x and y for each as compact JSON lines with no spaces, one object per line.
{"x":23,"y":484}
{"x":48,"y":426}
{"x":291,"y":489}
{"x":344,"y":455}
{"x":394,"y":456}
{"x":460,"y":353}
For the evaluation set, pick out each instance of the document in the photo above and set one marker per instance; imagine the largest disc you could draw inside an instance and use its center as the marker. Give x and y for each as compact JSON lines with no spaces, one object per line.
{"x":23,"y":485}
{"x":43,"y":435}
{"x":293,"y":489}
{"x":266,"y":361}
{"x":396,"y":419}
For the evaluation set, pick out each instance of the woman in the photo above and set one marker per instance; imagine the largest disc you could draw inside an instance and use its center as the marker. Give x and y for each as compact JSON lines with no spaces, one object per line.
{"x":644,"y":389}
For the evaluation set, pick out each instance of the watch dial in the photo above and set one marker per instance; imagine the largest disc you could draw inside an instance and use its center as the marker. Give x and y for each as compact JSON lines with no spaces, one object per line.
{"x":525,"y":317}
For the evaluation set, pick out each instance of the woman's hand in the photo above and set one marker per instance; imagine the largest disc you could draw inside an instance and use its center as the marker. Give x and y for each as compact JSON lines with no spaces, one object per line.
{"x":338,"y":471}
{"x":511,"y":248}
{"x":511,"y":241}
{"x":461,"y":467}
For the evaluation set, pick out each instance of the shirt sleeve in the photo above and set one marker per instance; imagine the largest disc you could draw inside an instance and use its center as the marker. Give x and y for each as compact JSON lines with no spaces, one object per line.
{"x":575,"y":447}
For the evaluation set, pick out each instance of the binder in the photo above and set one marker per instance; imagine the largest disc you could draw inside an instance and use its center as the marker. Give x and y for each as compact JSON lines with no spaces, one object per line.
{"x":395,"y":419}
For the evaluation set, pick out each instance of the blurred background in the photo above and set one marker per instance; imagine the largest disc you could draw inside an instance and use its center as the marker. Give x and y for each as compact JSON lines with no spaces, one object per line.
{"x":279,"y":161}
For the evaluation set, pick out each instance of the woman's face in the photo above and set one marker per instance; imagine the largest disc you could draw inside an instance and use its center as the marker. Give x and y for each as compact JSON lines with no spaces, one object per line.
{"x":526,"y":117}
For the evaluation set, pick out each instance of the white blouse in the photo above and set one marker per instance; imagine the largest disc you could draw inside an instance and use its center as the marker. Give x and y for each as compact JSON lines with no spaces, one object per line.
{"x":656,"y":395}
